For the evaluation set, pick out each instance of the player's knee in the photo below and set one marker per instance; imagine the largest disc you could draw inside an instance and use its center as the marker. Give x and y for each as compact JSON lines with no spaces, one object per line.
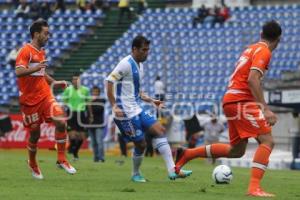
{"x":34,"y":136}
{"x":270,"y":143}
{"x":237,"y":152}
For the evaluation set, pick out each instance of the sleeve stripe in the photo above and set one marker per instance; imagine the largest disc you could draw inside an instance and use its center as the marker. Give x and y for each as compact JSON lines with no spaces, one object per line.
{"x":258,"y":69}
{"x":21,"y":66}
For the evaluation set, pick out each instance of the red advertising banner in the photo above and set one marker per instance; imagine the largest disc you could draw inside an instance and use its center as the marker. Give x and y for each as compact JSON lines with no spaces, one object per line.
{"x":18,"y":137}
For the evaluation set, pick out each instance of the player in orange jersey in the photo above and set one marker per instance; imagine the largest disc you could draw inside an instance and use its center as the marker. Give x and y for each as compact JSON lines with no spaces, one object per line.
{"x":36,"y":99}
{"x":246,"y":110}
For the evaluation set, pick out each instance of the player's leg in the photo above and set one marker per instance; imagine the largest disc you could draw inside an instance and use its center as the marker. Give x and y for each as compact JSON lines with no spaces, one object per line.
{"x":32,"y":120}
{"x":137,"y":158}
{"x":52,"y":111}
{"x":235,"y":149}
{"x":259,"y":165}
{"x":161,"y":144}
{"x":32,"y":150}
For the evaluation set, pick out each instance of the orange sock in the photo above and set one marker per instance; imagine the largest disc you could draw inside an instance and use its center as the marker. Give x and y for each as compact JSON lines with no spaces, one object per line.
{"x":260,"y":163}
{"x":32,"y":148}
{"x":209,"y":151}
{"x":60,"y":138}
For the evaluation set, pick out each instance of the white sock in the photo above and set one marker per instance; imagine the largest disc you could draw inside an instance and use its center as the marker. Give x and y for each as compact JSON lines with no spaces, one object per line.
{"x":136,"y":162}
{"x":162,"y":145}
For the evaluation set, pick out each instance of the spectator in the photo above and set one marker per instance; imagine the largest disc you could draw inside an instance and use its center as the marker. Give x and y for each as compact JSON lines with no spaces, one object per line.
{"x":60,"y":5}
{"x":212,"y":131}
{"x":76,"y":97}
{"x":91,"y":5}
{"x":141,"y":5}
{"x":124,"y":8}
{"x":96,"y":119}
{"x":159,"y":89}
{"x":222,"y":14}
{"x":34,"y":13}
{"x":202,"y":14}
{"x":22,"y":10}
{"x":193,"y":131}
{"x":81,"y":4}
{"x":11,"y":58}
{"x":45,"y":11}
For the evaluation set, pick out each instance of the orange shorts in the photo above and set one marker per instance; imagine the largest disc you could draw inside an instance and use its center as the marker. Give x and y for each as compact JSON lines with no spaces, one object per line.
{"x":245,"y":120}
{"x":45,"y":110}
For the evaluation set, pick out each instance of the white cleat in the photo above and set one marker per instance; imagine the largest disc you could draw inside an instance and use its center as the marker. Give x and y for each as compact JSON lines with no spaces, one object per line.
{"x":66,"y":166}
{"x":35,"y":171}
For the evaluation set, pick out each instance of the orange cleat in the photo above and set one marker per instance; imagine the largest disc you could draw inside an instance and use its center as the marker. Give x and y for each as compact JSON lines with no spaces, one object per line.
{"x":179,"y":154}
{"x":258,"y":192}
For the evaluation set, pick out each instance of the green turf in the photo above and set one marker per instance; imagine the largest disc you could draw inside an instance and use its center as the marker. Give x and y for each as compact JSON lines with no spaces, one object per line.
{"x":110,"y":180}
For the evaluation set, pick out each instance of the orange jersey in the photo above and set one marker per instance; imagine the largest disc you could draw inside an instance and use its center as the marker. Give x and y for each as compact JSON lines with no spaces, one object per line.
{"x":255,"y":57}
{"x":34,"y":87}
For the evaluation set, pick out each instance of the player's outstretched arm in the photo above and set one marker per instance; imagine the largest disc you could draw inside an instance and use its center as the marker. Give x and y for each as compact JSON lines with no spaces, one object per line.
{"x":54,"y":83}
{"x":22,"y":71}
{"x":148,"y":99}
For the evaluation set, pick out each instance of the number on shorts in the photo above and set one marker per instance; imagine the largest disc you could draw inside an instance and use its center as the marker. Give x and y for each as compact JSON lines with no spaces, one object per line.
{"x":29,"y":119}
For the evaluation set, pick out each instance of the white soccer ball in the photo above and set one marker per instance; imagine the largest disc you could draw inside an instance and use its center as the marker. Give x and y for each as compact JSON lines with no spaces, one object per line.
{"x":222,"y":174}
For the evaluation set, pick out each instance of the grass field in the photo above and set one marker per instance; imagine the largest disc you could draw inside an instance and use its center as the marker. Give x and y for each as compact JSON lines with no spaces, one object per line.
{"x":110,"y":180}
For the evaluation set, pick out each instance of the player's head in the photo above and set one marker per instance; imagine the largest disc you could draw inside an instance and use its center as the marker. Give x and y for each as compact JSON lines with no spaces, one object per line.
{"x":39,"y":31}
{"x":271,"y":32}
{"x":140,"y":48}
{"x":96,"y":91}
{"x":76,"y":79}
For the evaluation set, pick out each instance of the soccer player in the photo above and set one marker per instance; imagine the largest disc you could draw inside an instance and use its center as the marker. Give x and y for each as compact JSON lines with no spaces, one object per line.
{"x":129,"y":116}
{"x":246,"y":110}
{"x":36,"y":99}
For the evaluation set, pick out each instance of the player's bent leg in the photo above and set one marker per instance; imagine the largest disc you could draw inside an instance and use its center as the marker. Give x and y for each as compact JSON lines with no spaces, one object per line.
{"x":259,"y":165}
{"x":137,"y":158}
{"x":61,"y":137}
{"x":209,"y":151}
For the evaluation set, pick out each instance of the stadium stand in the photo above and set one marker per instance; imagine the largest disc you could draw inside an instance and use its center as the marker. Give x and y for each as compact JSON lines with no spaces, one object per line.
{"x":14,"y":31}
{"x":199,"y":60}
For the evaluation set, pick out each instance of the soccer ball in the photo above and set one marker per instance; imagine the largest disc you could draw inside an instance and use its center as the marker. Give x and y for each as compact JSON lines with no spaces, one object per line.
{"x":222,"y":174}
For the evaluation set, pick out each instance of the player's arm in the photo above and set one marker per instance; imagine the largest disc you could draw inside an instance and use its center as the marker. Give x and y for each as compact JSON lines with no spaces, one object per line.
{"x":22,"y":70}
{"x":148,"y":99}
{"x":111,"y":98}
{"x":254,"y":81}
{"x":116,"y":75}
{"x":52,"y":81}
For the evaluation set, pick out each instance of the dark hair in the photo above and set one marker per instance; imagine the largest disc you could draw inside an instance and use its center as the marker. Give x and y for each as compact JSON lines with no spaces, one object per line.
{"x":139,"y":40}
{"x":76,"y":74}
{"x":96,"y":88}
{"x":158,"y":78}
{"x":37,"y":26}
{"x":271,"y":30}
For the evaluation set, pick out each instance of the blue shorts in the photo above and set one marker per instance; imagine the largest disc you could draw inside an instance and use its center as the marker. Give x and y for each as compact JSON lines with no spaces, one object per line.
{"x":137,"y":125}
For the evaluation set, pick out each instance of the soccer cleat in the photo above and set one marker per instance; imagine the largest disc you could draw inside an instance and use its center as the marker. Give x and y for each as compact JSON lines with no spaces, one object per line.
{"x":66,"y":166}
{"x":258,"y":192}
{"x":138,"y":178}
{"x":179,"y":153}
{"x":181,"y":174}
{"x":35,"y":171}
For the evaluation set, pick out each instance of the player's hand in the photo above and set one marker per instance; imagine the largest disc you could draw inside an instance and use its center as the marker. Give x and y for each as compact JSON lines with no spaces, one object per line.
{"x":270,"y":117}
{"x":40,"y":66}
{"x":158,"y":103}
{"x":118,"y":112}
{"x":61,"y":84}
